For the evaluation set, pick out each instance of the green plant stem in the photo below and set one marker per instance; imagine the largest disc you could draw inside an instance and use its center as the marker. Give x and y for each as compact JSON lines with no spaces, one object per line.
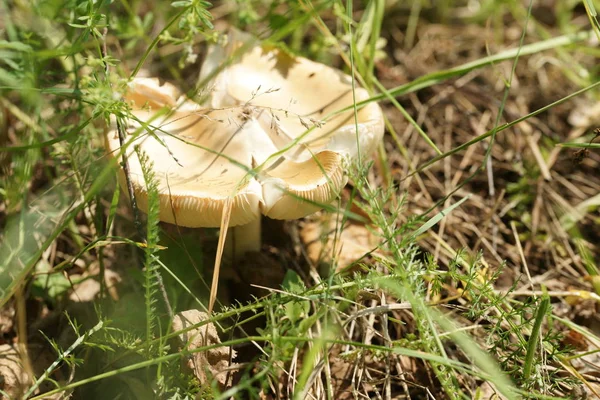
{"x":61,"y":357}
{"x":457,"y":365}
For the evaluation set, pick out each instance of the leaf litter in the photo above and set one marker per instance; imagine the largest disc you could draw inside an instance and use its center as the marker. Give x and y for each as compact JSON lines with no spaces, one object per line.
{"x":537,"y":202}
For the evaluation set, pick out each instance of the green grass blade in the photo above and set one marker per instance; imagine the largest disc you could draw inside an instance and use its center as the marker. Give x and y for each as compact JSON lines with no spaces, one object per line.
{"x":438,"y":217}
{"x":580,"y":145}
{"x":535,"y":335}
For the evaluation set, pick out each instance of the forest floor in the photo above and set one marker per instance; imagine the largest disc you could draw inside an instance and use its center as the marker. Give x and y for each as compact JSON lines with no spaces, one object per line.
{"x":462,"y":264}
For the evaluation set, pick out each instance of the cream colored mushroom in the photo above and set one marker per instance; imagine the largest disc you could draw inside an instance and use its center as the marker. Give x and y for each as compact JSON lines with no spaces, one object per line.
{"x":261,"y":140}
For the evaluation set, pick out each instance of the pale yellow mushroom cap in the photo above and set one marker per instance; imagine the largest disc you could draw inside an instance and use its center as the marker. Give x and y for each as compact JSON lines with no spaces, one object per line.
{"x":240,"y":144}
{"x":297,"y":92}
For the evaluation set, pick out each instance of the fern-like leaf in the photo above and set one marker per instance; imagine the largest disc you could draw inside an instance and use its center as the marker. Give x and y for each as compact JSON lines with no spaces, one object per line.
{"x":151,"y":283}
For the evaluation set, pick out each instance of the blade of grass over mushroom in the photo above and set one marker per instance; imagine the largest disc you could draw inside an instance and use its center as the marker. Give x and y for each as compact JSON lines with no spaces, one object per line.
{"x":287,"y":85}
{"x":328,"y":207}
{"x":293,"y":143}
{"x":273,"y":38}
{"x":220,"y":246}
{"x":151,"y":129}
{"x":221,"y":64}
{"x":271,"y":165}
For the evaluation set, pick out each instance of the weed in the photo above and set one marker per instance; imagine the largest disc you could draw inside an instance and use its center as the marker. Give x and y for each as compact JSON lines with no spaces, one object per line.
{"x":483,"y":274}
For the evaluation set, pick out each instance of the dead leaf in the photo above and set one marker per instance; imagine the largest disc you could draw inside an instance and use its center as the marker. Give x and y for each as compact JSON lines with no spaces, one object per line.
{"x":206,"y":365}
{"x":575,"y":340}
{"x":341,"y":378}
{"x":13,"y":378}
{"x":587,"y":113}
{"x":88,"y":286}
{"x":7,"y":316}
{"x":84,"y":291}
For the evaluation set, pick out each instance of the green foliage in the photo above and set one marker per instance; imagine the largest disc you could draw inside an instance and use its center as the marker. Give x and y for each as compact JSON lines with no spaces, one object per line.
{"x":194,"y":19}
{"x":296,"y":311}
{"x":63,"y":68}
{"x":49,"y":285}
{"x":151,"y":283}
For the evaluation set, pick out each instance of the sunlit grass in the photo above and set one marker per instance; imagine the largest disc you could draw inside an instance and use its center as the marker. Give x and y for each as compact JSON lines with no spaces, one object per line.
{"x":62,"y":67}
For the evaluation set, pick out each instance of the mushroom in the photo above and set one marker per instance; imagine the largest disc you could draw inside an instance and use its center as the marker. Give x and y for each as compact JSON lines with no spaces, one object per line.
{"x":270,"y":139}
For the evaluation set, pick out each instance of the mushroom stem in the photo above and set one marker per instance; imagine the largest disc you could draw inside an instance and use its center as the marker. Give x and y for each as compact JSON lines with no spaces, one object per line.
{"x":242,"y":239}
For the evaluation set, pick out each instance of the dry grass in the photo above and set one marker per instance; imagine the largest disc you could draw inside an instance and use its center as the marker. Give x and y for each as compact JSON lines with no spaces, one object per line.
{"x":528,"y":232}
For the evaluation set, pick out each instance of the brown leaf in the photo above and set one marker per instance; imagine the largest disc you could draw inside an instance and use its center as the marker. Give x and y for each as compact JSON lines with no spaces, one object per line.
{"x":13,"y":378}
{"x":205,"y":365}
{"x":87,"y":290}
{"x":7,"y":315}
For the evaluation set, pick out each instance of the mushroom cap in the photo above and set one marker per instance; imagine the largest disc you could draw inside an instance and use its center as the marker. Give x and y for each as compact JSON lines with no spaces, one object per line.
{"x":297,"y":92}
{"x":258,"y":140}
